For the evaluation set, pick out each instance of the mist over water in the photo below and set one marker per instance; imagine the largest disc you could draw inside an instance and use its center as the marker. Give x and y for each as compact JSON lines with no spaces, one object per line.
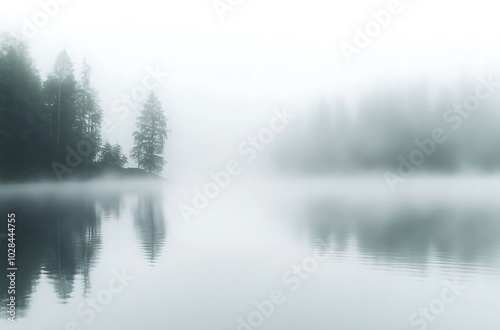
{"x":304,"y":188}
{"x":69,"y":244}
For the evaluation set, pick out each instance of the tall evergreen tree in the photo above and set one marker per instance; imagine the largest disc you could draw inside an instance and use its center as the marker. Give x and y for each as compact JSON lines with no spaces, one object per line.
{"x":150,"y":136}
{"x":60,"y":95}
{"x":88,"y":112}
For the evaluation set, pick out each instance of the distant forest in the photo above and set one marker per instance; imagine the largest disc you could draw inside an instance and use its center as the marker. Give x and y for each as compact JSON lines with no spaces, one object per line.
{"x":51,"y":128}
{"x":382,"y":128}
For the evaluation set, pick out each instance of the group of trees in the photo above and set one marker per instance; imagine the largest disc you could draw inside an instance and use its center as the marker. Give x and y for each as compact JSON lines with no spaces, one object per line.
{"x":372,"y":136}
{"x":40,"y":120}
{"x":113,"y":154}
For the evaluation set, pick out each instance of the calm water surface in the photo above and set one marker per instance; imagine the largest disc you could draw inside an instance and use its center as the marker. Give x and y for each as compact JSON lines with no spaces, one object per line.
{"x":381,"y":258}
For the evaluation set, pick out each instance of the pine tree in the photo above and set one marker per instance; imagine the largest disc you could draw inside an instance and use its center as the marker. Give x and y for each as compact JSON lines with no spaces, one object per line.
{"x":88,"y":112}
{"x":60,"y":102}
{"x":150,"y":136}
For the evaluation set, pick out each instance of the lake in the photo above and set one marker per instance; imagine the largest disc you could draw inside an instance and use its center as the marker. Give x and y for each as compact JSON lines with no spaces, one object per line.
{"x":324,"y":253}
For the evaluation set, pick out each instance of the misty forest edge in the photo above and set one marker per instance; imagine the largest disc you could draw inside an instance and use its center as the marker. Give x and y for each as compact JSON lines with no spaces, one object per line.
{"x":52,"y":129}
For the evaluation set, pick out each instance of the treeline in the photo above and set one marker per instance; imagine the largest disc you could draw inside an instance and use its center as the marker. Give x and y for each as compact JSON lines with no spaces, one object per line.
{"x":383,"y":127}
{"x":44,"y":121}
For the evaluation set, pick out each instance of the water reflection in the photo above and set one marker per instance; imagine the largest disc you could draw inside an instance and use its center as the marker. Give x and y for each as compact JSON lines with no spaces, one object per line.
{"x":150,"y":226}
{"x":110,"y":205}
{"x":408,"y":237}
{"x":59,"y":239}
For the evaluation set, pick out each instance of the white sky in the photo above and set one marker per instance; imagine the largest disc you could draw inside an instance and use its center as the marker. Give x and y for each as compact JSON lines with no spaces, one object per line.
{"x":226,"y":76}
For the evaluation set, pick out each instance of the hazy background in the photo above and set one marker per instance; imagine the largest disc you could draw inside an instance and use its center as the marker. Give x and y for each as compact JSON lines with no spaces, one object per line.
{"x":227,"y":76}
{"x":387,"y":254}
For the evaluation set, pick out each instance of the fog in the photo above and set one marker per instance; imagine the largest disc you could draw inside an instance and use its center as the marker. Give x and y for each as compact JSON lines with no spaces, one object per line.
{"x":226,"y":76}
